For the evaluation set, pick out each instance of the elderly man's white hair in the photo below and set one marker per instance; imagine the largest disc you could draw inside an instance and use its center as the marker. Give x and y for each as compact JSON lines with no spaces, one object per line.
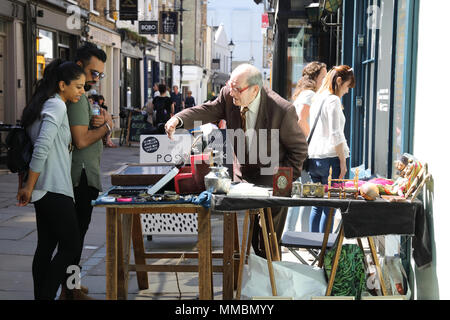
{"x":253,"y":75}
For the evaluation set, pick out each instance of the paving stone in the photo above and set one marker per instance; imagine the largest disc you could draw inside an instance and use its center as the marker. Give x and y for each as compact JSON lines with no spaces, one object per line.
{"x":15,"y":263}
{"x":14,"y":233}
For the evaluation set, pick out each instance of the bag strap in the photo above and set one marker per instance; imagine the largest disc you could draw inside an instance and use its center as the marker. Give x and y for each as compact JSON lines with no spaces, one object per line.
{"x":315,"y":122}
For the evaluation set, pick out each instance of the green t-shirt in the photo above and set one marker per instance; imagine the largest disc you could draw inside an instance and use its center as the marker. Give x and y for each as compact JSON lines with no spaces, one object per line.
{"x":80,"y":114}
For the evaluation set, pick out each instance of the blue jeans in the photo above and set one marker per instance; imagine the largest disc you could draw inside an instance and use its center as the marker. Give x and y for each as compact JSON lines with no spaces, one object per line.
{"x":319,"y":170}
{"x":294,"y":212}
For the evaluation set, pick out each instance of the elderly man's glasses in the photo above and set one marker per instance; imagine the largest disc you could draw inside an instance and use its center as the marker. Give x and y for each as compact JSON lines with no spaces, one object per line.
{"x":96,"y":74}
{"x":236,"y":90}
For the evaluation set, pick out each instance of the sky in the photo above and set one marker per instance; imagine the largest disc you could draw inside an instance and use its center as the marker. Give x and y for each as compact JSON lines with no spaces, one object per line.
{"x":242,"y":22}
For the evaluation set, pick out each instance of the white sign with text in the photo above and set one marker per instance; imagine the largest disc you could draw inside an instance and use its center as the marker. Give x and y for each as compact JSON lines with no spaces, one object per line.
{"x":159,"y":148}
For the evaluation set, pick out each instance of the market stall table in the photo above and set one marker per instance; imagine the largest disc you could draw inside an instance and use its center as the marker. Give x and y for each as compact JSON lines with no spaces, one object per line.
{"x":360,"y":218}
{"x":123,"y":222}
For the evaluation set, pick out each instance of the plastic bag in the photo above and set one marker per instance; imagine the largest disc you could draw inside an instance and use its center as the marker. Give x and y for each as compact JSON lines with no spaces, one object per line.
{"x":292,"y":279}
{"x":395,"y":278}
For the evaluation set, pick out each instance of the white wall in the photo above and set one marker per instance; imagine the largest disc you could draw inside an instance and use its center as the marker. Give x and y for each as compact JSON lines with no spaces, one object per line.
{"x":432,"y":114}
{"x":242,"y":22}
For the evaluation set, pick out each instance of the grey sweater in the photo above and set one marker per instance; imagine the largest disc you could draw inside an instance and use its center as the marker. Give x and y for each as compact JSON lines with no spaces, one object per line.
{"x":51,"y":158}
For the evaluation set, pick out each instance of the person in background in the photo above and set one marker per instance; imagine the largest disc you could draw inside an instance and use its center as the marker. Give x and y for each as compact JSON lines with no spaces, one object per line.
{"x":177,"y":100}
{"x":107,"y":140}
{"x":310,"y":82}
{"x":49,"y":185}
{"x":163,"y":107}
{"x":91,"y":99}
{"x":155,"y":89}
{"x":87,"y":134}
{"x":189,"y":101}
{"x":328,"y":146}
{"x":101,"y":102}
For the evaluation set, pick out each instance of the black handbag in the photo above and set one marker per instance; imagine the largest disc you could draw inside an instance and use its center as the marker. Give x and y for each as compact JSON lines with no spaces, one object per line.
{"x":305,"y":166}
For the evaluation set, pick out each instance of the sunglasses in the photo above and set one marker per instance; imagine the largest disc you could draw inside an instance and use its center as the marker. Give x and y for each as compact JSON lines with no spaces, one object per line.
{"x":96,"y":74}
{"x":236,"y":90}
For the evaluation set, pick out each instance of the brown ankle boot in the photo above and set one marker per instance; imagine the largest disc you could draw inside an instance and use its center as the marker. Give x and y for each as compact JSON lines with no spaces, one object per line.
{"x":78,"y":294}
{"x":84,"y":289}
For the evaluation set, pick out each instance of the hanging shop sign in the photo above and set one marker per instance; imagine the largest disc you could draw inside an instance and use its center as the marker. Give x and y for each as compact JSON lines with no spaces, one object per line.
{"x":128,"y":10}
{"x":168,"y":22}
{"x":148,"y":27}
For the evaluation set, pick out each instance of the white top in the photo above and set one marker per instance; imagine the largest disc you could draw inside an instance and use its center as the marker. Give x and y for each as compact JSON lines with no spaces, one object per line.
{"x":329,"y":131}
{"x":250,"y":118}
{"x":305,"y":97}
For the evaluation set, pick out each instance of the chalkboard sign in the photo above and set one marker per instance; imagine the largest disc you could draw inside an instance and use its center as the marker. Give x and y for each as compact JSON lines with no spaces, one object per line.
{"x":137,"y":125}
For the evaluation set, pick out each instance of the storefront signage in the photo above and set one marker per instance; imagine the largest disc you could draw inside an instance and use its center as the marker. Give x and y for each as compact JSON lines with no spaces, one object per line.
{"x":168,"y":22}
{"x":160,"y":149}
{"x":148,"y":27}
{"x":128,"y":10}
{"x":265,"y":20}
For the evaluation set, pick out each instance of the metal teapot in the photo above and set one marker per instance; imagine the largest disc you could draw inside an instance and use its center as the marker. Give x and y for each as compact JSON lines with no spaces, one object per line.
{"x":218,"y":180}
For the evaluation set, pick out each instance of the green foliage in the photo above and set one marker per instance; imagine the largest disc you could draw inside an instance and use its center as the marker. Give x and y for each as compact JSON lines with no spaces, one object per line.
{"x":350,"y":278}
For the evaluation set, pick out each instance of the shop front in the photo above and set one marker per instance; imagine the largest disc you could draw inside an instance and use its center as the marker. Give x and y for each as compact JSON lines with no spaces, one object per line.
{"x":166,"y":61}
{"x":110,"y":42}
{"x":131,"y":91}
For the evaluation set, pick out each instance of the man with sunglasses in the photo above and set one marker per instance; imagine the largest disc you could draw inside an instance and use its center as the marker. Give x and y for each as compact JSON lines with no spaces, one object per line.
{"x":245,"y":104}
{"x":87,"y":133}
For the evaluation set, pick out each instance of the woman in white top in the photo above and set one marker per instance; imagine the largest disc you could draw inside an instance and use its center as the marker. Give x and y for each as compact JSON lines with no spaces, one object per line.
{"x":310,"y":82}
{"x":328,"y":146}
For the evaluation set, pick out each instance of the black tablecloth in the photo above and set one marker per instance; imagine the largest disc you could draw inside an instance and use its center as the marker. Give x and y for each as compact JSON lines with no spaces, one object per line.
{"x":361,"y":218}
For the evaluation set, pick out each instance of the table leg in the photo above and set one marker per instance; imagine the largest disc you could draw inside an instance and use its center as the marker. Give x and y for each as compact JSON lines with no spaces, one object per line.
{"x":242,"y":255}
{"x":335,"y":264}
{"x":204,"y":255}
{"x":228,"y":265}
{"x":139,"y":251}
{"x":250,"y":232}
{"x":373,"y":251}
{"x":235,"y":251}
{"x":123,"y":254}
{"x":111,"y":254}
{"x":273,"y":237}
{"x":268,"y":254}
{"x":325,"y":236}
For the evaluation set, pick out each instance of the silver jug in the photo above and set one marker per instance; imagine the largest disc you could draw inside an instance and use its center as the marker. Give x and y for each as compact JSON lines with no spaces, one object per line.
{"x":218,"y":180}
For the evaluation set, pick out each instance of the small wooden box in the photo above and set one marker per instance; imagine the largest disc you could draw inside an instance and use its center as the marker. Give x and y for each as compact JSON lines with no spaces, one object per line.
{"x":282,"y":182}
{"x":140,"y":174}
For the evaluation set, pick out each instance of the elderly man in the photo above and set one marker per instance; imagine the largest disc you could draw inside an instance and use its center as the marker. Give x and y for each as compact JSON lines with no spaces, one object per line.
{"x":245,"y":104}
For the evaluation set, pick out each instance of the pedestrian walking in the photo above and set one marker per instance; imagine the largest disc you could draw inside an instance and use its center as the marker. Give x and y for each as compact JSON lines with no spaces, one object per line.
{"x":163,"y":107}
{"x":189,"y":101}
{"x":328,"y":146}
{"x":310,"y":82}
{"x":49,"y":184}
{"x":88,"y":131}
{"x":177,"y":100}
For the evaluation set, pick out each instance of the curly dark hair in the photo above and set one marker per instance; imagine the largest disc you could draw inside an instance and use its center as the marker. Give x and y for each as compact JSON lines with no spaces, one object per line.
{"x":309,"y":77}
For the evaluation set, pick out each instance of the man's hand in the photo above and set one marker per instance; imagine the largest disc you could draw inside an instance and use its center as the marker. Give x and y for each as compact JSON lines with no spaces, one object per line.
{"x":170,"y":126}
{"x":97,"y":121}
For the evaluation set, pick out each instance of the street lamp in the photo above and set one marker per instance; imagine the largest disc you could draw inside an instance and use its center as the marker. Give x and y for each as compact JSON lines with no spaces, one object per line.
{"x":231,"y":48}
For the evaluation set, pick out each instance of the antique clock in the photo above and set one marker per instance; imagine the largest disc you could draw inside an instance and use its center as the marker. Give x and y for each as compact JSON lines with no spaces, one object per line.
{"x":282,"y":182}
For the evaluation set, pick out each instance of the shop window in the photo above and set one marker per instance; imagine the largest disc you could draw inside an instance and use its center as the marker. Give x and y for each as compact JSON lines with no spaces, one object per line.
{"x":45,"y":50}
{"x":300,"y":51}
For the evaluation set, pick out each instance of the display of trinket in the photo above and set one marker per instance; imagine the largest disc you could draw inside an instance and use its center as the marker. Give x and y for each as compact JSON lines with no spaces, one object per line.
{"x":339,"y":188}
{"x":312,"y":190}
